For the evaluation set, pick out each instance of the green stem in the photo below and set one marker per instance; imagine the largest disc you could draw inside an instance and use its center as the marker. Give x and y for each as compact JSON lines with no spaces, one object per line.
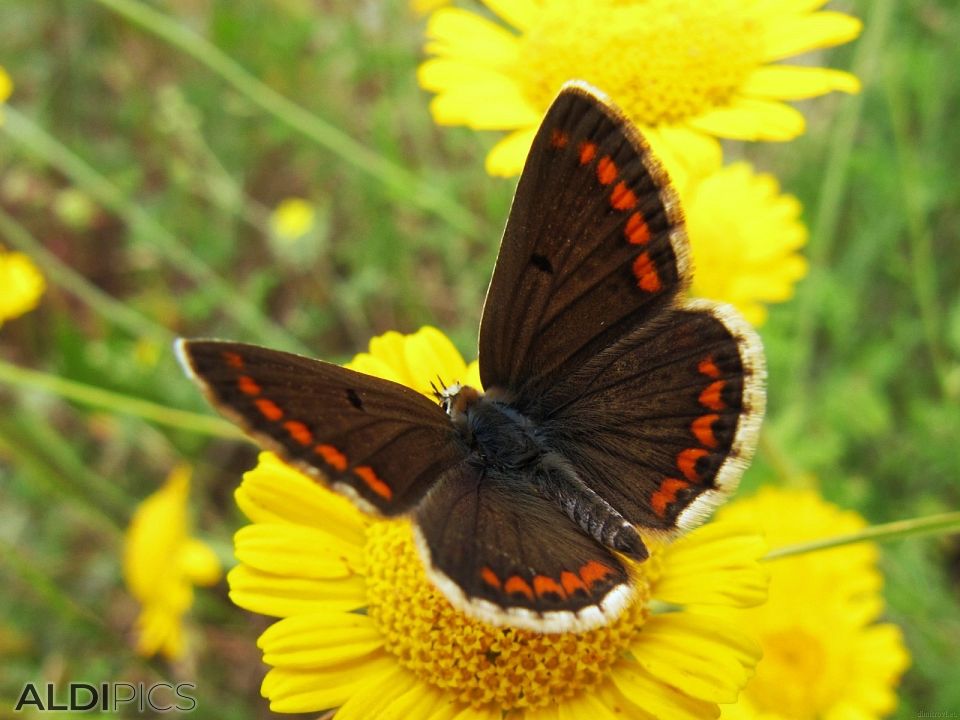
{"x":833,"y":192}
{"x":112,"y":310}
{"x":941,"y":524}
{"x":410,"y":187}
{"x":116,"y":402}
{"x":235,"y":304}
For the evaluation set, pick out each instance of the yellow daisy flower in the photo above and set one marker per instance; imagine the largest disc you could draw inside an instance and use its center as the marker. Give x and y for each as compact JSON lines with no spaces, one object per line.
{"x":824,"y":655}
{"x":685,"y":71}
{"x":744,"y":236}
{"x":6,"y":89}
{"x":362,"y":629}
{"x":292,"y":219}
{"x":21,"y":283}
{"x":161,"y":563}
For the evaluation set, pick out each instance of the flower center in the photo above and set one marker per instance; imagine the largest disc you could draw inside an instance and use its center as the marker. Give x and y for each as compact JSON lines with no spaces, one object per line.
{"x":792,"y":652}
{"x":477,"y":662}
{"x":662,"y":61}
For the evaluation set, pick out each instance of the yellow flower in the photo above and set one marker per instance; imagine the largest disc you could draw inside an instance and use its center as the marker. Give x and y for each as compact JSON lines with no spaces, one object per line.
{"x":422,"y":7}
{"x":363,"y":630}
{"x":685,"y":71}
{"x":6,"y":88}
{"x":824,"y":655}
{"x":161,"y":563}
{"x":21,"y":284}
{"x":292,"y":219}
{"x":744,"y":235}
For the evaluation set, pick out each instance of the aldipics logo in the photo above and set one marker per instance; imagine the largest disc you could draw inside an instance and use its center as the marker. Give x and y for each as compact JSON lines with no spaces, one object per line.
{"x":109,"y":696}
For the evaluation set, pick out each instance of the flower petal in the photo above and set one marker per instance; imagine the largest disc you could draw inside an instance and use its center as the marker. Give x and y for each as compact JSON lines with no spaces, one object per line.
{"x":463,"y":35}
{"x":716,"y":564}
{"x":374,"y":700}
{"x":710,"y":657}
{"x":275,"y":492}
{"x":652,"y":696}
{"x":507,"y":157}
{"x":480,"y":99}
{"x":432,"y":353}
{"x":751,"y":119}
{"x":281,"y":596}
{"x":791,"y":35}
{"x":296,"y":551}
{"x":522,"y":14}
{"x":292,"y":690}
{"x":789,"y":82}
{"x":319,"y":640}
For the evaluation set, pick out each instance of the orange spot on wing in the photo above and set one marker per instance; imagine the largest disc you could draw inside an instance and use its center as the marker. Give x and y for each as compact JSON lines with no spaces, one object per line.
{"x":702,"y":429}
{"x":646,"y":273}
{"x":490,"y":577}
{"x":622,"y":197}
{"x":299,"y":432}
{"x":269,"y":409}
{"x":606,"y":170}
{"x":333,"y":457}
{"x":588,"y":151}
{"x":233,"y":360}
{"x":247,"y":385}
{"x":543,"y":585}
{"x":687,"y":462}
{"x":637,"y":231}
{"x":559,"y":139}
{"x":712,"y":396}
{"x":517,"y":585}
{"x":708,"y":367}
{"x":594,"y":572}
{"x":372,"y":481}
{"x":666,"y":494}
{"x":571,"y":583}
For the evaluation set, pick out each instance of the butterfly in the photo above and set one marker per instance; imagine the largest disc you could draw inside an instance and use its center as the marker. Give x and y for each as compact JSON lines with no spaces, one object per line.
{"x":614,"y":407}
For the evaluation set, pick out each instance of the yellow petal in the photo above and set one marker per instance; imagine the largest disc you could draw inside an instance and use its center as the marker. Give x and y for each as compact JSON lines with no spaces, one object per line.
{"x":456,"y":33}
{"x":369,"y":364}
{"x":296,"y":551}
{"x":377,"y":695}
{"x":472,"y":375}
{"x":522,"y":14}
{"x":430,"y":353}
{"x":275,"y":492}
{"x":787,"y":82}
{"x":791,"y":35}
{"x":507,"y":157}
{"x":320,"y":640}
{"x":478,"y":98}
{"x":750,"y":119}
{"x":655,"y":697}
{"x":281,"y":596}
{"x":293,"y":690}
{"x":709,"y":657}
{"x":199,"y":563}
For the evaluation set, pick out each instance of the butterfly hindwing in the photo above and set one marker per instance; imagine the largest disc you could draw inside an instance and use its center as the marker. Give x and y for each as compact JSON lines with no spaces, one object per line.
{"x":593,"y":247}
{"x":662,"y":423}
{"x":500,"y":551}
{"x":381,"y":443}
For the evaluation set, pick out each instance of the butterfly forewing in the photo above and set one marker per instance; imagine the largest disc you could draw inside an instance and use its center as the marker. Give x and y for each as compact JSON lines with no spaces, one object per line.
{"x":593,"y":247}
{"x":381,"y":443}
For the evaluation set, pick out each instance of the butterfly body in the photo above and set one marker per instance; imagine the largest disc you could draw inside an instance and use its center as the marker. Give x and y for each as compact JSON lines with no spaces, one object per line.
{"x":615,"y":408}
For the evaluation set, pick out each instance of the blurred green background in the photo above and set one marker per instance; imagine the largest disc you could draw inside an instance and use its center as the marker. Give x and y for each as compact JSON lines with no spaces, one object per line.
{"x":149,"y":180}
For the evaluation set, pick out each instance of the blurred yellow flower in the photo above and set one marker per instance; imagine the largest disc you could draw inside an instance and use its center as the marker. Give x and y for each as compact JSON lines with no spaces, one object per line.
{"x":363,"y":629}
{"x":685,"y":71}
{"x":292,"y":219}
{"x":21,"y":285}
{"x":422,"y":7}
{"x":824,"y":655}
{"x":162,"y":563}
{"x":6,"y":88}
{"x":745,"y":237}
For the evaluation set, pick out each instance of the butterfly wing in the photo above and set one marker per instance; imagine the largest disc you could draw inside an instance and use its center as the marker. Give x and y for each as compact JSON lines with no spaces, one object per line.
{"x":378,"y":442}
{"x":502,"y":553}
{"x":593,"y":247}
{"x":662,"y":423}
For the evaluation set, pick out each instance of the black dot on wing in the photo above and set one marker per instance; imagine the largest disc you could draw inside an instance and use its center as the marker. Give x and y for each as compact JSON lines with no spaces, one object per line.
{"x":354,"y":399}
{"x":541,"y":263}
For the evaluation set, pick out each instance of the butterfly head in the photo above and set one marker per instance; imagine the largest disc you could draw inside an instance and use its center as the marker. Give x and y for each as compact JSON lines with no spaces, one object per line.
{"x":456,"y":399}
